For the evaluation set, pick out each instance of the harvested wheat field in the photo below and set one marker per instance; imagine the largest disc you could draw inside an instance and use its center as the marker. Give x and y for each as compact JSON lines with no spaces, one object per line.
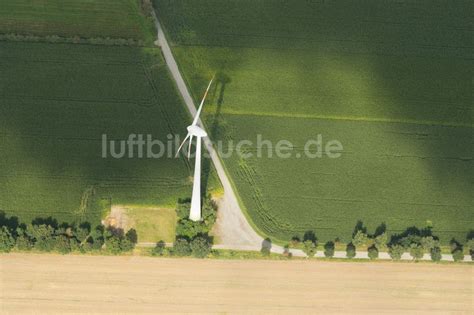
{"x":101,"y":284}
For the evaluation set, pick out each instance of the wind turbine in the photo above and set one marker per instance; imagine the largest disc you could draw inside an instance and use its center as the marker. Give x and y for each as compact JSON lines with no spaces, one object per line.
{"x":195,"y":131}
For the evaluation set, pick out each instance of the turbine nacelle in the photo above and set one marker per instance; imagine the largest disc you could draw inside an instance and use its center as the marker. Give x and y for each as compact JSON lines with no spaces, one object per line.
{"x":196,"y":131}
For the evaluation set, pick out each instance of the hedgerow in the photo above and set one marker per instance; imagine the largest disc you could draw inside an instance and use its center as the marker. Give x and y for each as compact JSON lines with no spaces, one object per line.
{"x":45,"y":235}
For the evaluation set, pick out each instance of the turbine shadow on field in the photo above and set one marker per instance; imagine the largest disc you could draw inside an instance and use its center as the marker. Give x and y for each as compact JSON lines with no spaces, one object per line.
{"x":222,"y":80}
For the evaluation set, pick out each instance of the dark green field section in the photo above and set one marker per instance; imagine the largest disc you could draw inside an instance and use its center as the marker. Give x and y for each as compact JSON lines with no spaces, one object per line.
{"x":391,"y":80}
{"x":56,"y":101}
{"x":381,"y":60}
{"x":302,"y":83}
{"x":83,"y":18}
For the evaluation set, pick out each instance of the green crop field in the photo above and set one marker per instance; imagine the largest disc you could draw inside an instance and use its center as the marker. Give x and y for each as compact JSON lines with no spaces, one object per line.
{"x":82,"y":18}
{"x":56,"y":101}
{"x":391,"y":80}
{"x":400,"y":174}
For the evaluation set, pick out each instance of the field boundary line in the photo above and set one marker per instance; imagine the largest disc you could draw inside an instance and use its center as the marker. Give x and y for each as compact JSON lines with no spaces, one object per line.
{"x":345,"y":118}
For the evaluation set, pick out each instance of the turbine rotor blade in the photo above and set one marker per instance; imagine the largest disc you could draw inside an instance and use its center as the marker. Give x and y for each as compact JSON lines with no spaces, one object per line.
{"x":190,"y":143}
{"x":181,"y":145}
{"x":202,"y":103}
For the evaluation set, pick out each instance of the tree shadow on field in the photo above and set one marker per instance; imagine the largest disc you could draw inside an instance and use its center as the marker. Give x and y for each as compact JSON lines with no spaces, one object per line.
{"x":222,"y":80}
{"x":359,"y":227}
{"x":10,"y":222}
{"x":13,"y":223}
{"x":412,"y":232}
{"x":470,"y":235}
{"x":455,"y":244}
{"x":310,"y":236}
{"x":381,"y":229}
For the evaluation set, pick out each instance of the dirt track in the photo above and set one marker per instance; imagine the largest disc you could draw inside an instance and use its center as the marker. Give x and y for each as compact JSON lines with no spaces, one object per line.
{"x":231,"y":227}
{"x":95,"y":284}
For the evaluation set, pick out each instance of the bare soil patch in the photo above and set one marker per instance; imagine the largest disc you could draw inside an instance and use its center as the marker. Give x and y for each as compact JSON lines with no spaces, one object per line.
{"x":152,"y":224}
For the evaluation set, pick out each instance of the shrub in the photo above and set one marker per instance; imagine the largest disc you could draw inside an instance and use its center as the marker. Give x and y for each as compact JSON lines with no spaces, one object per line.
{"x":266,"y":247}
{"x":182,"y":210}
{"x":435,"y":254}
{"x":396,"y":251}
{"x":96,"y":238}
{"x":380,"y":241}
{"x":132,"y":236}
{"x":309,"y":248}
{"x":81,"y":234}
{"x":373,"y":252}
{"x":329,"y":249}
{"x":74,"y":244}
{"x":200,"y":247}
{"x":408,"y":240}
{"x":159,"y":249}
{"x":350,"y":251}
{"x":457,"y":250}
{"x":190,"y":229}
{"x":286,"y":251}
{"x":128,"y":242}
{"x":428,"y":243}
{"x":116,"y":242}
{"x":470,"y":245}
{"x":23,"y":242}
{"x":265,"y":251}
{"x":43,"y":235}
{"x":85,"y":247}
{"x":416,"y":251}
{"x":113,"y":244}
{"x":458,"y":254}
{"x":181,"y":247}
{"x":62,"y":244}
{"x":6,"y":240}
{"x":360,"y":238}
{"x":126,"y":245}
{"x":295,"y":241}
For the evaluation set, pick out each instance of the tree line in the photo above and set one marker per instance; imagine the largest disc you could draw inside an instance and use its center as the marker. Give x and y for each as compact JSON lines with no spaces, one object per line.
{"x":193,"y":239}
{"x":414,"y":241}
{"x":46,"y":235}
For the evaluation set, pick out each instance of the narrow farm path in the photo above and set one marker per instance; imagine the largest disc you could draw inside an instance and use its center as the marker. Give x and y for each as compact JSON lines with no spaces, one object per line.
{"x":232,"y":227}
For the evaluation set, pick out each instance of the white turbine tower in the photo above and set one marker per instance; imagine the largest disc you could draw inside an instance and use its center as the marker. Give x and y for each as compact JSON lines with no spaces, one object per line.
{"x":195,"y":131}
